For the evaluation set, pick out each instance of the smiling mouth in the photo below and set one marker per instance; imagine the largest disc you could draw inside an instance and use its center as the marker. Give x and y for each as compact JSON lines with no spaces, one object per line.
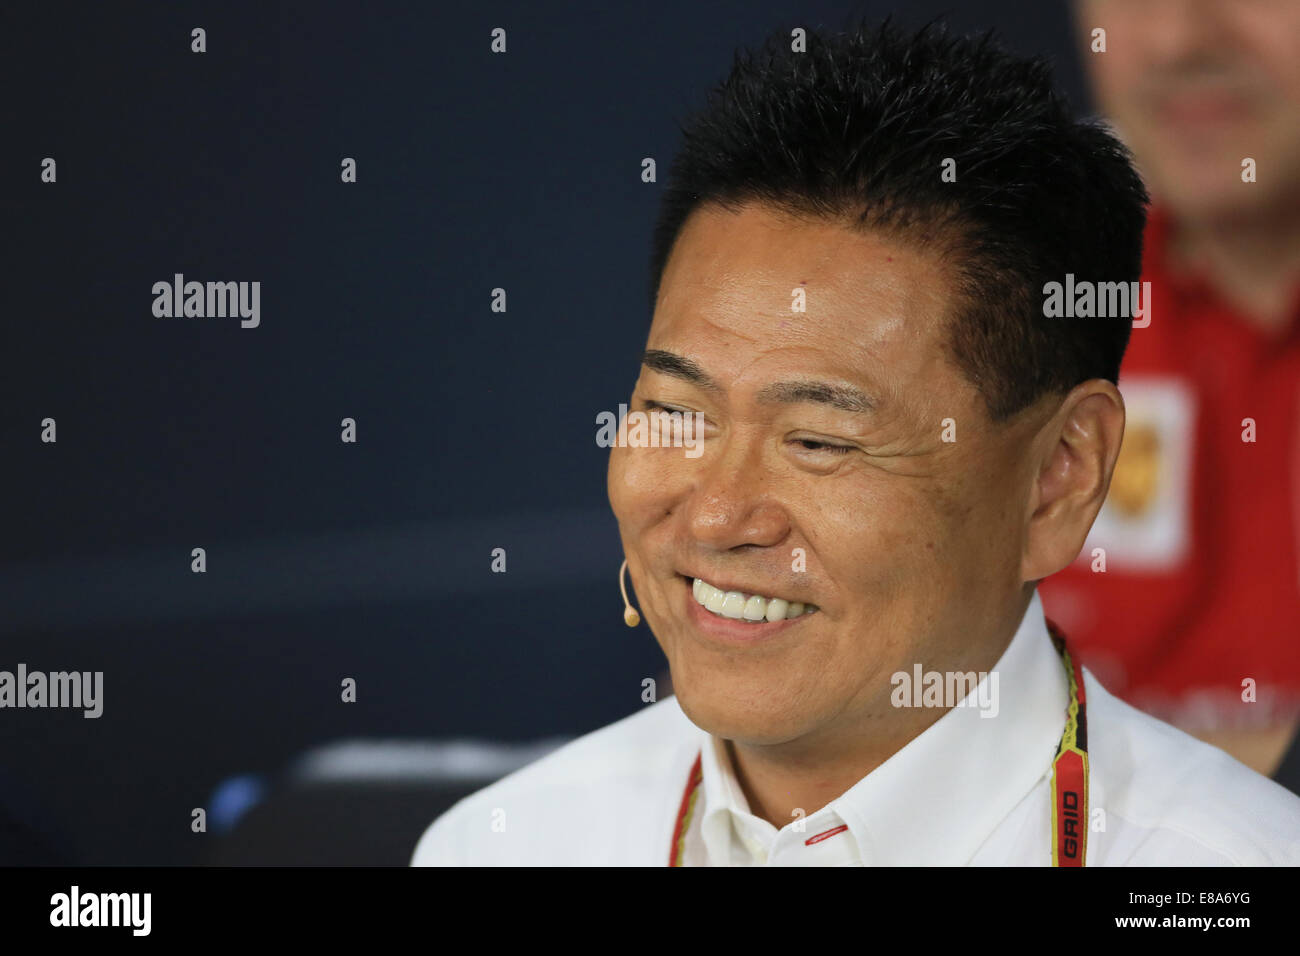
{"x":750,"y":608}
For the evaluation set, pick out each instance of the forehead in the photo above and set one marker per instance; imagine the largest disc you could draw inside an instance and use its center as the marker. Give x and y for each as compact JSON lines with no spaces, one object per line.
{"x":874,"y":307}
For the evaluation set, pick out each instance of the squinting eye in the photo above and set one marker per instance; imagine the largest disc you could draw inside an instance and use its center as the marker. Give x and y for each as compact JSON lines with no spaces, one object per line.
{"x":652,"y":406}
{"x":812,"y":445}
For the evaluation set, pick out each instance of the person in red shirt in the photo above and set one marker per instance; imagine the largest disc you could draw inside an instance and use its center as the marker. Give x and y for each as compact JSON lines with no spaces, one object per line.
{"x":1186,"y":598}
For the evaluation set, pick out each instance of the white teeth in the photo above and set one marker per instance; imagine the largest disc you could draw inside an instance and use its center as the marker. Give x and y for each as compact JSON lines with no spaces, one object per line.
{"x":733,"y":605}
{"x":752,"y":607}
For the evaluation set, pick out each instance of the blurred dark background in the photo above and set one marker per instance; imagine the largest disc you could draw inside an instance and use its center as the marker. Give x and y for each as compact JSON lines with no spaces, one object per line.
{"x":475,"y":429}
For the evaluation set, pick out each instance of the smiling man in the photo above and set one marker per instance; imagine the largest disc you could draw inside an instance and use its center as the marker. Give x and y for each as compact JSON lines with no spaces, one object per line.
{"x":897,"y":445}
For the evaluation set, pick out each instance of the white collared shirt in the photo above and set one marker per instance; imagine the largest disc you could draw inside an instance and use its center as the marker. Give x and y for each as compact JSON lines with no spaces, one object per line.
{"x":974,"y":788}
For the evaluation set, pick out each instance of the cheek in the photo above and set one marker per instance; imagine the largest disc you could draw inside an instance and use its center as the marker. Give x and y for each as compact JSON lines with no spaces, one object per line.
{"x":1268,"y":42}
{"x":884,"y":539}
{"x":979,"y":519}
{"x":640,"y":483}
{"x":1116,"y":73}
{"x":615,"y":482}
{"x":1114,"y":86}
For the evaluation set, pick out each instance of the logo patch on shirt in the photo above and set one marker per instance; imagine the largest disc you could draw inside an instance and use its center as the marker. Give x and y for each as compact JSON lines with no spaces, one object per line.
{"x":1145,"y":523}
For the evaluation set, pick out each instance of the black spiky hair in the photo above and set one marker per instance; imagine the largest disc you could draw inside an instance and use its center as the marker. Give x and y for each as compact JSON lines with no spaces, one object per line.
{"x":857,"y":130}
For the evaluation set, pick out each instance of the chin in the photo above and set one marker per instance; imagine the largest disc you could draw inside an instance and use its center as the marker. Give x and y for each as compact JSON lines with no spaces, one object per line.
{"x":1200,"y":195}
{"x":721,"y":712}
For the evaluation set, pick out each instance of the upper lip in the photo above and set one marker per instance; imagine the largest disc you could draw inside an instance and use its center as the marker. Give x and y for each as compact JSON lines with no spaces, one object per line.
{"x":731,"y":584}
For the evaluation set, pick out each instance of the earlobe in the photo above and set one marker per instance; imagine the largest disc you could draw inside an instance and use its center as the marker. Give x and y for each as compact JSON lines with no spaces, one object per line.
{"x":1079,"y":449}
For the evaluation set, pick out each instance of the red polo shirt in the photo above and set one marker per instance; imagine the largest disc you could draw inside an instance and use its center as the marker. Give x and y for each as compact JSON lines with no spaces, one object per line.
{"x":1200,"y":534}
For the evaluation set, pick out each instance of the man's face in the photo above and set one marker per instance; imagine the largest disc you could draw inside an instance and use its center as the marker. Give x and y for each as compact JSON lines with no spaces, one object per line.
{"x":1195,"y":87}
{"x":909,"y":545}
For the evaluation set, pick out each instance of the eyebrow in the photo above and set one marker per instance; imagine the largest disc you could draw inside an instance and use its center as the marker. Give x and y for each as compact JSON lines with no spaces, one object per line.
{"x":678,"y":366}
{"x":844,"y":397}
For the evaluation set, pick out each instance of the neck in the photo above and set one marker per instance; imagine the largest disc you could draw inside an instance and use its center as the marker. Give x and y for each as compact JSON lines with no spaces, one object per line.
{"x":1252,"y":262}
{"x":782,"y":782}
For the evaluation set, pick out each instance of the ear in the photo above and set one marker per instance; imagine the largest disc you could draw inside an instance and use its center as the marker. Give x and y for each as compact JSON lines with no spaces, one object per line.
{"x":1075,"y":454}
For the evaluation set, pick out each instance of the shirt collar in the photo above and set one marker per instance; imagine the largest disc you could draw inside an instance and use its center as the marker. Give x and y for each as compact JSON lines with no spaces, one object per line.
{"x":727,"y":826}
{"x":936,"y":800}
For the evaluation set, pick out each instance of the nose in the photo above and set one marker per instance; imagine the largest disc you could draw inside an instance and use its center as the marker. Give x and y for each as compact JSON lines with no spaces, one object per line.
{"x":732,"y":503}
{"x":1182,"y":29}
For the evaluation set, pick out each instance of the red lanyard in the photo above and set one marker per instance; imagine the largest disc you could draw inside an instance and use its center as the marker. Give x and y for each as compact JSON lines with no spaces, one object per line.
{"x":1069,"y":777}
